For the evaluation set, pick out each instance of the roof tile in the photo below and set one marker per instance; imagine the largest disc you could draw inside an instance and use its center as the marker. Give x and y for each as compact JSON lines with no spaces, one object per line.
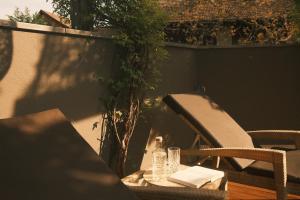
{"x":190,"y":10}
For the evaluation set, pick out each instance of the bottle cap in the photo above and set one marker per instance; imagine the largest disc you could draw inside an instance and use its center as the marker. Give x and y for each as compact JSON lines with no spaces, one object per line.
{"x":158,"y":139}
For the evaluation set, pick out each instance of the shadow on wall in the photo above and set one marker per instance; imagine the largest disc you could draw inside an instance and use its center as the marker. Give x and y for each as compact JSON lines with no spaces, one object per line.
{"x":258,"y":87}
{"x":157,"y":123}
{"x":6,"y":49}
{"x":160,"y":121}
{"x":65,"y":77}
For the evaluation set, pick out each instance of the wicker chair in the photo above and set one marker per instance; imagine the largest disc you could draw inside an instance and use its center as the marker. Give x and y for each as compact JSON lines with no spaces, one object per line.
{"x":247,"y":162}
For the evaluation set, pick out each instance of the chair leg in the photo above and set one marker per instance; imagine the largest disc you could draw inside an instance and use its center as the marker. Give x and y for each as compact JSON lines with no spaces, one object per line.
{"x":196,"y":141}
{"x":216,"y":162}
{"x":280,"y":177}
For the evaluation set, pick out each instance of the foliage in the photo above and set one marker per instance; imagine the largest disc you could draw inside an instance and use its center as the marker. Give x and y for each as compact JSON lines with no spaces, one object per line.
{"x":81,"y":12}
{"x":140,"y":25}
{"x":249,"y":31}
{"x":189,"y":32}
{"x":296,"y":17}
{"x":26,"y":17}
{"x":62,"y":7}
{"x":139,"y":46}
{"x":274,"y":30}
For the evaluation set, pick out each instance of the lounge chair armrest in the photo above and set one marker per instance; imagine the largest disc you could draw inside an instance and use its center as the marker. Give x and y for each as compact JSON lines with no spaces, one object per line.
{"x":293,"y":136}
{"x":266,"y":155}
{"x":276,"y":157}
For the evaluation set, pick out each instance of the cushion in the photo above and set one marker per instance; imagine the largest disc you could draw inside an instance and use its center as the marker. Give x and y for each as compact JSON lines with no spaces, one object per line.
{"x":213,"y":123}
{"x":266,"y":169}
{"x":43,"y":157}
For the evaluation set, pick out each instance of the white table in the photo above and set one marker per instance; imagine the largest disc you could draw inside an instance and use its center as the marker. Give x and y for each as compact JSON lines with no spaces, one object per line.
{"x":144,"y":178}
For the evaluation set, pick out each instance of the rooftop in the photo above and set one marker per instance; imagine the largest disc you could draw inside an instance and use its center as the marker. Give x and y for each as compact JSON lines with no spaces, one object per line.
{"x":192,"y":10}
{"x":55,"y":20}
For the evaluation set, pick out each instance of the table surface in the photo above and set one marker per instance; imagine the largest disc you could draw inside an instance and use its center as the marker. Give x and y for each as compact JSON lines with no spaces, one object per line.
{"x":144,"y":178}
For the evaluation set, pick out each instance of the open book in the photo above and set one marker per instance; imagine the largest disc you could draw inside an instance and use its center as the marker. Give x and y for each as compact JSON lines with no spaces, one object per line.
{"x":195,"y":176}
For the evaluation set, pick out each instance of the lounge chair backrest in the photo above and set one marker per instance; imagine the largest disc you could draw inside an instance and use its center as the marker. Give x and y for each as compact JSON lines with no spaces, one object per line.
{"x":212,"y":122}
{"x":42,"y":156}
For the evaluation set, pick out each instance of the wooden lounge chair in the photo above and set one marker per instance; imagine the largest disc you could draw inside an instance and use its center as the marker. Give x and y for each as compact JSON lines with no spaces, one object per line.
{"x":269,"y":168}
{"x":43,"y":157}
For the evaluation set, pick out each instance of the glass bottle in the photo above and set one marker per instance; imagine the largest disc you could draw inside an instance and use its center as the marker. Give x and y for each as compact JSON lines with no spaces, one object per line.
{"x":159,"y":161}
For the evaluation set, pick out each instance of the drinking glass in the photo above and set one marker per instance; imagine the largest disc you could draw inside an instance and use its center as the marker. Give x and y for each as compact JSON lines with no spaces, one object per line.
{"x":173,"y":159}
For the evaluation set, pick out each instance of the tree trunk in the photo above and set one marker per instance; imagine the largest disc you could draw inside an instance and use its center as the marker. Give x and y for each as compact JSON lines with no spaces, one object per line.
{"x":117,"y":157}
{"x":81,"y":14}
{"x":121,"y":162}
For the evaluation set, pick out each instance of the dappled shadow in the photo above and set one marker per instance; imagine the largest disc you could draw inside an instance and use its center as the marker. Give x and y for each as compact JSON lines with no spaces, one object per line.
{"x":138,"y":143}
{"x":43,"y":157}
{"x":109,"y":144}
{"x":65,"y":77}
{"x":6,"y":49}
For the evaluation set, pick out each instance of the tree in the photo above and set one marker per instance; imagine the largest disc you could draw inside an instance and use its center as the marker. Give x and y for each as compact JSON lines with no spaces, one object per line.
{"x":140,"y":34}
{"x":140,"y":25}
{"x":26,"y":17}
{"x":81,"y":12}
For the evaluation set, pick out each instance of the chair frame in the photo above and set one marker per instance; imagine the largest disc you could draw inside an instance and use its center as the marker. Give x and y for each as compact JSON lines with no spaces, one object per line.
{"x":276,"y":157}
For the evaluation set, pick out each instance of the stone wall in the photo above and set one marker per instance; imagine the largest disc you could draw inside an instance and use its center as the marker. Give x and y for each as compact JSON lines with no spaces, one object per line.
{"x":41,"y":69}
{"x":44,"y":67}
